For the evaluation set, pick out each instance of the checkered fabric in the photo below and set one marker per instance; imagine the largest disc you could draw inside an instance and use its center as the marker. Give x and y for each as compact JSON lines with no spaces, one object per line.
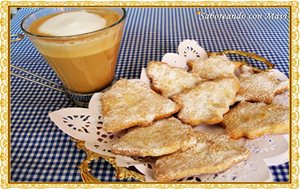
{"x":41,"y":152}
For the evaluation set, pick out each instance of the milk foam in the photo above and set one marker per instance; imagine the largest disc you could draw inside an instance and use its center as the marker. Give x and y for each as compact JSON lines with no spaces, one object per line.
{"x":72,"y":23}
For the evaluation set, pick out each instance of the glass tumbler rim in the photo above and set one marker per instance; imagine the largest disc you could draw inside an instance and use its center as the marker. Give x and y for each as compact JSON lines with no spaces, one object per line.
{"x":70,"y":36}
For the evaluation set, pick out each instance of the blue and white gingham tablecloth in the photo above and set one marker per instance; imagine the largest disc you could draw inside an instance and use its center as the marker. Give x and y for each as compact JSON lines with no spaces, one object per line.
{"x":41,"y":152}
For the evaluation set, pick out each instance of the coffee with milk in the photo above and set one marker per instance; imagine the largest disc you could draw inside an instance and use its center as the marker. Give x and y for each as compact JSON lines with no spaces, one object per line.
{"x":81,"y":46}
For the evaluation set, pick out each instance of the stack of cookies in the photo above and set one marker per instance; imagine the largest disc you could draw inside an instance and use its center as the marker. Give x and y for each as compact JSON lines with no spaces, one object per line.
{"x":159,"y":119}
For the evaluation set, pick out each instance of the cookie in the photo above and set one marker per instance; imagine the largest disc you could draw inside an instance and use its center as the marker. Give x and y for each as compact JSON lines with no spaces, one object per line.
{"x":212,"y":154}
{"x":132,"y":103}
{"x":217,"y":66}
{"x":168,"y":80}
{"x":260,"y":87}
{"x":252,"y":120}
{"x":207,"y":102}
{"x":163,"y":137}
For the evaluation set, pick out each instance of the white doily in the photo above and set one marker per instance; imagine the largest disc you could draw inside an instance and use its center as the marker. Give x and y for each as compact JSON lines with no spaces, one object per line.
{"x":175,"y":60}
{"x":254,"y":169}
{"x":191,"y":50}
{"x":86,"y":124}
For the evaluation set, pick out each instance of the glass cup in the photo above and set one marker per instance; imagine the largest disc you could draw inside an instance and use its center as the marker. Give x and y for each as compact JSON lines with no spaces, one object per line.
{"x":85,"y":63}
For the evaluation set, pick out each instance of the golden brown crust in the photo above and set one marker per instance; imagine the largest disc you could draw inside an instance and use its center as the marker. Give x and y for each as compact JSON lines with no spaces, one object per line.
{"x":260,"y":87}
{"x":252,"y":120}
{"x":163,"y":137}
{"x":217,"y":66}
{"x":168,"y":80}
{"x":190,"y":63}
{"x":130,"y":103}
{"x":212,"y":153}
{"x":207,"y":102}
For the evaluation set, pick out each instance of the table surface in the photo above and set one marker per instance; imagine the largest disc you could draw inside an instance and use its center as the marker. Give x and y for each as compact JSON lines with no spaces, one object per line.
{"x":41,"y":152}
